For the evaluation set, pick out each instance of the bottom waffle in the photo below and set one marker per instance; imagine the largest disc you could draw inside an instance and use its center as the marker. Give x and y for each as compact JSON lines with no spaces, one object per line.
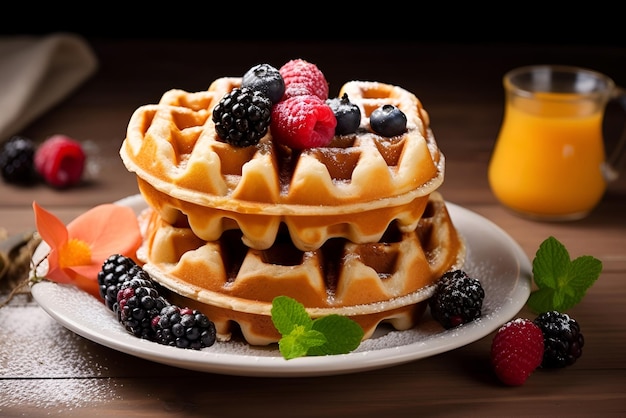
{"x":387,"y":281}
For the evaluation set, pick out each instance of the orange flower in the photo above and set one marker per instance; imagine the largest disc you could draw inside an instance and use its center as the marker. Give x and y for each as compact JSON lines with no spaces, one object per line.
{"x":78,"y":251}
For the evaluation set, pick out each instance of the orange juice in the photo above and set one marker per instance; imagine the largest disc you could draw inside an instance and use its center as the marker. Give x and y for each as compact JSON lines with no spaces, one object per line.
{"x":548,"y":156}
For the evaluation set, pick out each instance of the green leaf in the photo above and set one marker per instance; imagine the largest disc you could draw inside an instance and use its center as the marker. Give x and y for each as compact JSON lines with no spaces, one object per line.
{"x":299,"y":341}
{"x":561,"y":283}
{"x":287,"y":313}
{"x":342,"y":334}
{"x":550,"y":264}
{"x":301,"y":335}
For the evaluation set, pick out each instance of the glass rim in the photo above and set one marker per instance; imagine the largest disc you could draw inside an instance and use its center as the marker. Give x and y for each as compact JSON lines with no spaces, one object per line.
{"x":607,"y":83}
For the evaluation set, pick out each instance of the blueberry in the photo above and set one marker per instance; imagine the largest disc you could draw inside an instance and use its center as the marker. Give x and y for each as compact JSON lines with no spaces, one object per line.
{"x":267,"y":79}
{"x":348,"y":114}
{"x":388,"y":120}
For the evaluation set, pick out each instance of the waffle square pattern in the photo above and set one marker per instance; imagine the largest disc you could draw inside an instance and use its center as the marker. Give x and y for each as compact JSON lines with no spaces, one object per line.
{"x":356,"y":228}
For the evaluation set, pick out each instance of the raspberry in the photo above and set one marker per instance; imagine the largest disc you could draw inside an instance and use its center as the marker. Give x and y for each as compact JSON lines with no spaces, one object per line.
{"x":16,"y":160}
{"x":303,"y":78}
{"x":458,"y":299}
{"x":242,"y":116}
{"x":183,"y":328}
{"x":562,"y":339}
{"x":60,"y":161}
{"x":516,"y":351}
{"x":303,"y":122}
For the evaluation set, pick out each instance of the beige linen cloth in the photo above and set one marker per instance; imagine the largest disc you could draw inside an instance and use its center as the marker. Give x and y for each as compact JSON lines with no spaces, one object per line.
{"x":38,"y":72}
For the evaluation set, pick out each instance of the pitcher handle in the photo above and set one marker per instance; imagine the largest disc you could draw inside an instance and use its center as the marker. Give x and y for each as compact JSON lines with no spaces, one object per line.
{"x":610,"y":168}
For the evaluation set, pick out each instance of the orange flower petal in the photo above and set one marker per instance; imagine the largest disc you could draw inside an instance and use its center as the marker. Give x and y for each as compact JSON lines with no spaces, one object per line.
{"x":108,"y":229}
{"x":55,"y":234}
{"x":51,"y":229}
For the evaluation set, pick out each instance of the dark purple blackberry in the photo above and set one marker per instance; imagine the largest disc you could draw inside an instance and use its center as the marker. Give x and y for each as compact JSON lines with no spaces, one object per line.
{"x":458,"y":299}
{"x":183,"y":328}
{"x":388,"y":120}
{"x":17,"y":161}
{"x":348,"y":114}
{"x":563,"y":341}
{"x":138,"y":302}
{"x":242,"y":117}
{"x":267,"y":79}
{"x":115,"y":270}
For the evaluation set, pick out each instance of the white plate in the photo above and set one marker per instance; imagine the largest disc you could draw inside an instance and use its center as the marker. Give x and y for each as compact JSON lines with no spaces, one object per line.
{"x":493,"y":258}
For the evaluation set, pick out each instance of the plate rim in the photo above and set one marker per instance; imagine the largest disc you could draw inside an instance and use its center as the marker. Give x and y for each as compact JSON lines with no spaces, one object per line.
{"x":264,"y":366}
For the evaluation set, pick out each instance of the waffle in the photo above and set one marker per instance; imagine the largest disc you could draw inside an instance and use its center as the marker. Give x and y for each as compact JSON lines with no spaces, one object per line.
{"x":385,"y":281}
{"x":191,"y":177}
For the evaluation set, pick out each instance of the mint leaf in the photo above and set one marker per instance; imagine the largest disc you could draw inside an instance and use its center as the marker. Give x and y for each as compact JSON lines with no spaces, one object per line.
{"x":302,"y":336}
{"x":342,"y":335}
{"x":299,"y":341}
{"x":287,"y":313}
{"x":561,"y":282}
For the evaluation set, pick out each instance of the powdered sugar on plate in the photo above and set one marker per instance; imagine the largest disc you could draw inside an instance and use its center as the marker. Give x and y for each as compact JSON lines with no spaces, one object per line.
{"x":492,"y":257}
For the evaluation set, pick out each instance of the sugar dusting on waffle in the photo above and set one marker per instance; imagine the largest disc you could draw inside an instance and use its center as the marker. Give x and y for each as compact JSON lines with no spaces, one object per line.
{"x":355,"y":227}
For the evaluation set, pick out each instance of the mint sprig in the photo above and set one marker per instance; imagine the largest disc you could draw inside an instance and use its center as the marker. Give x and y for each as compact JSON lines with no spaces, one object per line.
{"x":561,"y":282}
{"x":303,"y":336}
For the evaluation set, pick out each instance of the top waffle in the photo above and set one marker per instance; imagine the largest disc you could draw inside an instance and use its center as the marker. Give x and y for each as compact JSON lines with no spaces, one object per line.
{"x":183,"y":168}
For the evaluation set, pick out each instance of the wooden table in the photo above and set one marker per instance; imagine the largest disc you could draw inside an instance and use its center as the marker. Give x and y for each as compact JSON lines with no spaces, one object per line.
{"x":46,"y":370}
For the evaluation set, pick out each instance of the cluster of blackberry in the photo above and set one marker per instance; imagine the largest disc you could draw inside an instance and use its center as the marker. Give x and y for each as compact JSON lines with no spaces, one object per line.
{"x":129,"y":291}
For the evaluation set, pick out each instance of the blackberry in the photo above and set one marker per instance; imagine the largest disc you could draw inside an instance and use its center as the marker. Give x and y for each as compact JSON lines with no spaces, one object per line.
{"x":116,"y":271}
{"x":242,"y":117}
{"x":458,"y":299}
{"x":183,"y":328}
{"x":388,"y":120}
{"x":563,"y":341}
{"x":138,"y":302}
{"x":267,"y":79}
{"x":348,"y":114}
{"x":17,"y":161}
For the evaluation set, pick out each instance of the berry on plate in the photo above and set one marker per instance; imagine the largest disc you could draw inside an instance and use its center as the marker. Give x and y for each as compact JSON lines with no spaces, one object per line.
{"x":303,"y":122}
{"x":183,"y":328}
{"x":60,"y":161}
{"x":458,"y":299}
{"x":138,"y":302}
{"x":516,"y":351}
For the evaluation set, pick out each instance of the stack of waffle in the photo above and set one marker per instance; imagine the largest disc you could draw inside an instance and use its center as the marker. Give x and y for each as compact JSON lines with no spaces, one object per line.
{"x":356,"y":228}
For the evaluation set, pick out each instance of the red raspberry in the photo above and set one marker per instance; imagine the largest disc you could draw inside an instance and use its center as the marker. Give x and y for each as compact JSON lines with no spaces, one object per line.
{"x":60,"y":160}
{"x":303,"y":78}
{"x":516,"y":351}
{"x":303,"y":122}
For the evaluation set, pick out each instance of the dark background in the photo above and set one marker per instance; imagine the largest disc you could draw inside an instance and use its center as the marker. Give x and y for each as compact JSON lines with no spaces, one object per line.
{"x":546,"y":22}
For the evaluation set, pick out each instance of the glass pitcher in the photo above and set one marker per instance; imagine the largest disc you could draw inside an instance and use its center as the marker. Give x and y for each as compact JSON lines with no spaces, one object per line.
{"x":549,"y":159}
